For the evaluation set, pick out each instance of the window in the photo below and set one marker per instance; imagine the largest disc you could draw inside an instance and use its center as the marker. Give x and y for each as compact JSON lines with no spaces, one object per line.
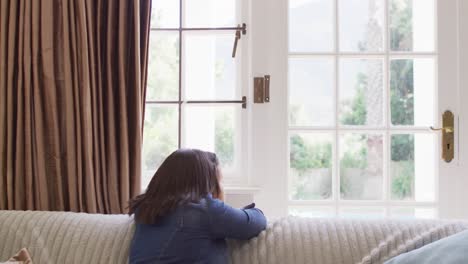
{"x":194,"y":95}
{"x":361,"y":98}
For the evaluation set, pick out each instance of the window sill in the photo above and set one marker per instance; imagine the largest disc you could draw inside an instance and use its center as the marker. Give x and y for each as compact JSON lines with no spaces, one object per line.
{"x":241,"y":190}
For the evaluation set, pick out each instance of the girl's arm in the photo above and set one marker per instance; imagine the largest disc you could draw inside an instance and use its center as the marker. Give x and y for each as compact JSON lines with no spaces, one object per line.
{"x":229,"y":222}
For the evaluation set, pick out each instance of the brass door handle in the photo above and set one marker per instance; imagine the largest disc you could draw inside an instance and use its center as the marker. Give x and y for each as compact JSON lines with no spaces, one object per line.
{"x":445,"y":129}
{"x":448,"y":136}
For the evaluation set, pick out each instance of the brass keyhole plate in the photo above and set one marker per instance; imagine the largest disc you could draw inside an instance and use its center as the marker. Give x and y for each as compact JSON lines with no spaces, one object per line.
{"x":448,"y":136}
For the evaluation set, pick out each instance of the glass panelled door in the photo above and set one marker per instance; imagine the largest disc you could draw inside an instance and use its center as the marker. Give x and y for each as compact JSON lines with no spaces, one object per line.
{"x":361,"y":98}
{"x":366,"y":79}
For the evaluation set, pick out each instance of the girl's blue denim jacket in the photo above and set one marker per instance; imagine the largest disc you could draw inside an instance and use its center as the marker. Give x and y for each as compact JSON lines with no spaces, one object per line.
{"x":195,"y":233}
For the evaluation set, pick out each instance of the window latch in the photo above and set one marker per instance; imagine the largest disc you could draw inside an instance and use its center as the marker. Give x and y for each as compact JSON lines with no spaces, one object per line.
{"x":237,"y":37}
{"x":262,"y":89}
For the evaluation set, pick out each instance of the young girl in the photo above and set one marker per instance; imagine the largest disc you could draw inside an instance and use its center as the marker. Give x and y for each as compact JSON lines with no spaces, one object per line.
{"x":181,"y":218}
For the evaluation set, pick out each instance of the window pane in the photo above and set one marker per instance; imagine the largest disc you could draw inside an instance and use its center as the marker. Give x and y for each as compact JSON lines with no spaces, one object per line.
{"x":361,"y":92}
{"x":310,"y":168}
{"x":311,"y":92}
{"x":412,"y":88}
{"x":361,"y":166}
{"x":411,"y":212}
{"x":215,"y":129}
{"x":412,"y":25}
{"x":310,"y":25}
{"x":413,"y":177}
{"x":165,"y":14}
{"x":210,"y":13}
{"x":362,"y":212}
{"x":312,"y":211}
{"x":160,"y":137}
{"x":163,"y":67}
{"x":361,"y":25}
{"x":209,"y":69}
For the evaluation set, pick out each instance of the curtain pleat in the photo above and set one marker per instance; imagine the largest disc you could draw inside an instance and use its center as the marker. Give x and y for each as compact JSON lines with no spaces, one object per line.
{"x":73,"y":82}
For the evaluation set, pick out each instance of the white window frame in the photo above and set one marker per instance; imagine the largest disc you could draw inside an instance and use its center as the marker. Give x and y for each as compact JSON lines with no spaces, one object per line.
{"x":265,"y":133}
{"x":238,"y":179}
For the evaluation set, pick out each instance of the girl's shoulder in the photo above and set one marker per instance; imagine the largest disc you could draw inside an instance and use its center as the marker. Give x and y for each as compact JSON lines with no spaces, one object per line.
{"x":208,"y":204}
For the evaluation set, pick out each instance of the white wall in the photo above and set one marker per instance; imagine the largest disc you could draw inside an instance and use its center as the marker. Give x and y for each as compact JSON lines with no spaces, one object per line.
{"x":269,"y":159}
{"x":463,"y":97}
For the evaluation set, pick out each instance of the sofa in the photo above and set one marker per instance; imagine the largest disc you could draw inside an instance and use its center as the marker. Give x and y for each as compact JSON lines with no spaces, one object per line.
{"x":64,"y":237}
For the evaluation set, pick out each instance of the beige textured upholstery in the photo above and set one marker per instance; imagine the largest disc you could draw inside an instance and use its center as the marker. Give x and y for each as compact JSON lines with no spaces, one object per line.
{"x":339,"y":241}
{"x":55,"y":237}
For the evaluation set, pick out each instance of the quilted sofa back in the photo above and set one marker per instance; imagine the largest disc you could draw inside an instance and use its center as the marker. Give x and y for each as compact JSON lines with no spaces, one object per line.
{"x":63,"y":237}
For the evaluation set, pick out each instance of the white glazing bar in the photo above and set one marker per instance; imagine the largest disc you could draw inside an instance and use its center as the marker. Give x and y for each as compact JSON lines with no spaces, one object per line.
{"x":387,"y":150}
{"x":380,"y":203}
{"x":336,"y":168}
{"x":397,"y":54}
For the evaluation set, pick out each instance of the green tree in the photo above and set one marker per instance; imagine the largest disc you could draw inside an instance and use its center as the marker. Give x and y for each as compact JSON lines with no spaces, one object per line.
{"x":358,"y":113}
{"x":160,"y":130}
{"x":304,"y":157}
{"x":402,"y":146}
{"x":401,"y":25}
{"x":353,"y":160}
{"x":402,"y":153}
{"x":402,"y":100}
{"x":402,"y":92}
{"x":159,"y":138}
{"x":224,"y":138}
{"x":402,"y":107}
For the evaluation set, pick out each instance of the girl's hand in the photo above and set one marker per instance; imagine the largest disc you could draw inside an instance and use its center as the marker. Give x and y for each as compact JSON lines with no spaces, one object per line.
{"x":250,"y":206}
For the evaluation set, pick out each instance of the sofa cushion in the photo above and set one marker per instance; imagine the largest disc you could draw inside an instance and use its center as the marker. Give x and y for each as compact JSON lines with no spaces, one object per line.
{"x":450,"y":250}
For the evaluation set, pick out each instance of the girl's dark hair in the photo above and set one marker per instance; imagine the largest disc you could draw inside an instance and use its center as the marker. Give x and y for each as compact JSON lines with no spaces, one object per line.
{"x":187,"y":175}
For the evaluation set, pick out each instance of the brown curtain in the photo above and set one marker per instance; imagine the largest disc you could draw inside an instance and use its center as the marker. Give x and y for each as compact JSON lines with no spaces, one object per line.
{"x":72,"y":91}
